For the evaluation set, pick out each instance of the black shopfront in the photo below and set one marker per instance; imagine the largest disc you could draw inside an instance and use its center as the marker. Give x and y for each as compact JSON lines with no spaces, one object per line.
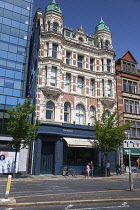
{"x":63,"y":144}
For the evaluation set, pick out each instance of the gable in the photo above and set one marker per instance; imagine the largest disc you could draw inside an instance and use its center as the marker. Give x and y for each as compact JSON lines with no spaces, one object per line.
{"x":128,"y":56}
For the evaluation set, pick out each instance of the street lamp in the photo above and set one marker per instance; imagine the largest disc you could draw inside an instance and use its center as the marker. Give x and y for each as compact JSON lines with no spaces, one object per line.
{"x":130,"y":172}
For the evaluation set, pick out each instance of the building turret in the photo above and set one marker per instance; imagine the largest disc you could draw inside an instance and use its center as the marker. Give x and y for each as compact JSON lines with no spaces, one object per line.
{"x":53,"y":19}
{"x":103,"y":36}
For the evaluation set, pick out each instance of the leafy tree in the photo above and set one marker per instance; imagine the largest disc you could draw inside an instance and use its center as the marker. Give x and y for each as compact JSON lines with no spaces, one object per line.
{"x":20,"y":127}
{"x":110,"y":132}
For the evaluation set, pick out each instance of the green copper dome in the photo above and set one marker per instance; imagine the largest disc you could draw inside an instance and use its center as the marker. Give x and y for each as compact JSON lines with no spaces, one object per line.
{"x":54,"y":6}
{"x":101,"y":26}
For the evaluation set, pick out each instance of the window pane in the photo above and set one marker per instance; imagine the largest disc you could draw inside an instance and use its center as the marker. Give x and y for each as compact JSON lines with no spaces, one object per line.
{"x":92,"y":113}
{"x":132,"y":106}
{"x":91,"y":64}
{"x":66,"y":107}
{"x":49,"y":114}
{"x":67,"y":85}
{"x":68,"y":33}
{"x":11,"y":100}
{"x":53,"y":77}
{"x":108,"y":65}
{"x":16,"y":93}
{"x":67,"y":112}
{"x":3,"y":46}
{"x":17,"y":84}
{"x":2,"y":72}
{"x":92,"y":84}
{"x":130,"y":86}
{"x":54,"y":54}
{"x":107,"y":113}
{"x":80,"y":61}
{"x":124,"y":85}
{"x":8,"y":91}
{"x":12,"y":48}
{"x":10,"y":73}
{"x":80,"y":114}
{"x":49,"y":110}
{"x":67,"y":58}
{"x":125,"y":105}
{"x":66,"y":117}
{"x":9,"y":83}
{"x":80,"y":85}
{"x":2,"y":99}
{"x":12,"y":56}
{"x":55,"y":26}
{"x":136,"y":107}
{"x":135,"y":87}
{"x":13,"y":40}
{"x":3,"y":54}
{"x":54,"y":47}
{"x":49,"y":105}
{"x":5,"y":29}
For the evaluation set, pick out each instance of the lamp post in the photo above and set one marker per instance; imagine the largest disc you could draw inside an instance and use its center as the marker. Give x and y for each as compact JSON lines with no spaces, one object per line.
{"x":130,"y":172}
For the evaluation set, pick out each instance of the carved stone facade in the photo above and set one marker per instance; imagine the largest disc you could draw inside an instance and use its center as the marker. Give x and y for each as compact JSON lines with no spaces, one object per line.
{"x":71,"y":79}
{"x":74,"y":68}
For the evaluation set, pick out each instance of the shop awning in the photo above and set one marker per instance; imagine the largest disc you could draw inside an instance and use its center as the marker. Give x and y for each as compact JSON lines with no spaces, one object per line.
{"x":86,"y":143}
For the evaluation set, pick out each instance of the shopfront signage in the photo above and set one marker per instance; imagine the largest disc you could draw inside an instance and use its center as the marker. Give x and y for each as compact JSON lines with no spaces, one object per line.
{"x":131,"y":144}
{"x":6,"y":147}
{"x":67,"y":130}
{"x":133,"y":152}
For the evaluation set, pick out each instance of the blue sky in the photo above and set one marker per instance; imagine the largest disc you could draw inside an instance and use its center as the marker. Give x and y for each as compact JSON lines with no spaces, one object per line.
{"x":122,"y":17}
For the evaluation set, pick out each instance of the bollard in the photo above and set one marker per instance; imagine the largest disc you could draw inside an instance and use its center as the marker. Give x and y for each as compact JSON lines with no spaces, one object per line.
{"x":8,"y":186}
{"x":130,"y":181}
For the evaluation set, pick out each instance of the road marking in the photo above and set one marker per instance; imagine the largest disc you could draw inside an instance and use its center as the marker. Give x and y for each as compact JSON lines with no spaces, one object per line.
{"x":69,"y":206}
{"x":9,"y":209}
{"x":104,"y":207}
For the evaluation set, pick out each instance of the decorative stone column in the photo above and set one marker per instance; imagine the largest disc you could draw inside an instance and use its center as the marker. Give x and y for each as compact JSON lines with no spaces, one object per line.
{"x":50,"y":50}
{"x":48,"y":73}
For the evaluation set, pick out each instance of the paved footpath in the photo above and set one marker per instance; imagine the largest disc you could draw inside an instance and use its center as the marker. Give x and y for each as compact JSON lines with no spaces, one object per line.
{"x":108,"y":195}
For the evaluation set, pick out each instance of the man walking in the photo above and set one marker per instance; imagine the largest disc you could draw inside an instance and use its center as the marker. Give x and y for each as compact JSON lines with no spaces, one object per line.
{"x":118,"y":169}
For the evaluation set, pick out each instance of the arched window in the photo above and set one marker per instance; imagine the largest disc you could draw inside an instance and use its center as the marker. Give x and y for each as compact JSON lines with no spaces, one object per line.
{"x":55,"y":27}
{"x":101,"y":44}
{"x":80,"y":115}
{"x":106,"y":44}
{"x":67,"y":112}
{"x":50,"y":111}
{"x":48,"y":25}
{"x":92,"y":114}
{"x":107,"y":113}
{"x":80,"y":39}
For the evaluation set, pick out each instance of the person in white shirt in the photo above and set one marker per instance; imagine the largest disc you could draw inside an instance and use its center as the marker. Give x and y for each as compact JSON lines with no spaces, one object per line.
{"x":108,"y":167}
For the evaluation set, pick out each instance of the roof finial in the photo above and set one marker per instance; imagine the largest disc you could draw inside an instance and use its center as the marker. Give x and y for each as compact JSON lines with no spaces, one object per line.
{"x":101,"y":20}
{"x":54,"y":1}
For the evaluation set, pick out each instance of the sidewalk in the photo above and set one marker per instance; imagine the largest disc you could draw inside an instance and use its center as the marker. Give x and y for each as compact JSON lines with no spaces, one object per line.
{"x":69,"y":198}
{"x":56,"y":177}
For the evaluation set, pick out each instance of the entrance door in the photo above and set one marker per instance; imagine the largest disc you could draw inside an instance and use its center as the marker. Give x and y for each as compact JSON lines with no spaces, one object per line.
{"x":47,"y":158}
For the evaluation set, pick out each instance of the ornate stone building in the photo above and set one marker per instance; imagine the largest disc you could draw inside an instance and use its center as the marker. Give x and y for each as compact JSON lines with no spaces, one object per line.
{"x":72,"y":78}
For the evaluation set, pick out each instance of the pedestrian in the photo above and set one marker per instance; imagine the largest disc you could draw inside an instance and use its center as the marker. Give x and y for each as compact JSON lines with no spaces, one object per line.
{"x":87,"y":170}
{"x":108,"y":167}
{"x":91,"y":168}
{"x":118,"y":169}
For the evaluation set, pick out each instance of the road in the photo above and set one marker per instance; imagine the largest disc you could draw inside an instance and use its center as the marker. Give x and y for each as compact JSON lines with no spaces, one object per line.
{"x":72,"y":191}
{"x":95,"y":206}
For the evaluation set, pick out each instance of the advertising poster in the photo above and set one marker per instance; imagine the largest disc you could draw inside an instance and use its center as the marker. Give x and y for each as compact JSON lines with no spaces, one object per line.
{"x":7,"y":162}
